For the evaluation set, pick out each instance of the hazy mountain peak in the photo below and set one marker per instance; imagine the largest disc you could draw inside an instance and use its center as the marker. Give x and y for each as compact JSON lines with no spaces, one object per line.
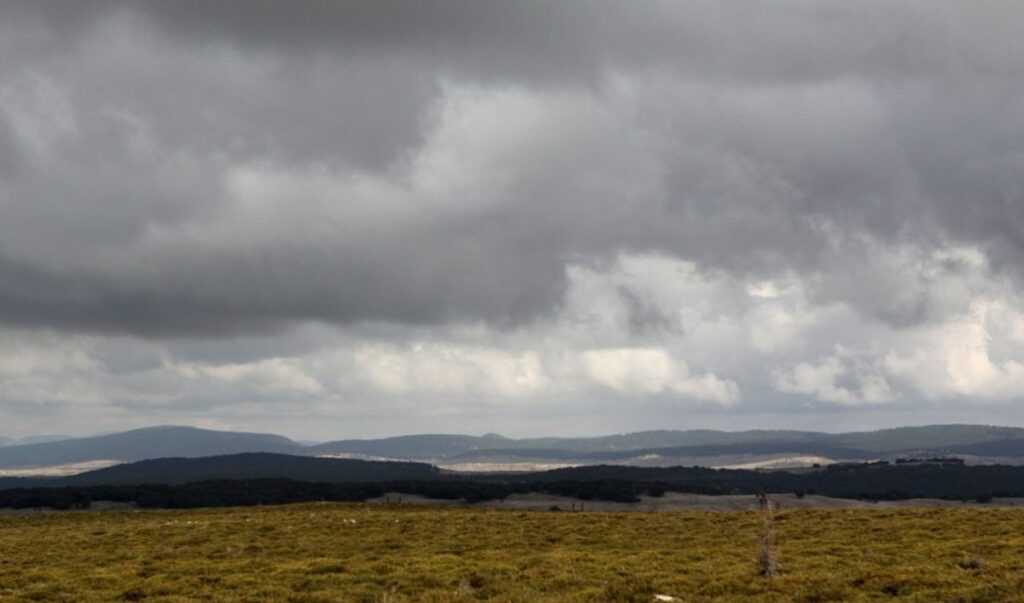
{"x":145,"y":443}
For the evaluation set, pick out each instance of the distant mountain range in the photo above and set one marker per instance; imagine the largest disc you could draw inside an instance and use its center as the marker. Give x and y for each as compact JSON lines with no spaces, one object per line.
{"x":976,"y":443}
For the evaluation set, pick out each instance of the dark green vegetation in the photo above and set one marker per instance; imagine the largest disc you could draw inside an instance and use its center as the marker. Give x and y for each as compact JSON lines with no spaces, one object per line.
{"x":249,"y":479}
{"x":343,"y":552}
{"x":686,"y":447}
{"x":246,"y":466}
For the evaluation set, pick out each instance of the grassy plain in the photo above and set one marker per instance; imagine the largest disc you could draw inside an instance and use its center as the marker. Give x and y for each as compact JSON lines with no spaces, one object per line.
{"x":338,"y":552}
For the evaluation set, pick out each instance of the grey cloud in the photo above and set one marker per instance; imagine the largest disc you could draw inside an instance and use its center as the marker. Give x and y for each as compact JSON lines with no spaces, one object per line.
{"x":754,"y":140}
{"x":646,"y":318}
{"x":578,"y":37}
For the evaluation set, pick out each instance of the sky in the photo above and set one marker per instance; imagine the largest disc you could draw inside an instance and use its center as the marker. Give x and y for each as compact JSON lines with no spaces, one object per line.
{"x":368,"y":218}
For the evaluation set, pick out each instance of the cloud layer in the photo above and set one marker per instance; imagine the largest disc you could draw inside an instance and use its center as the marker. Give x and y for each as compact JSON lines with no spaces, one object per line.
{"x":522,"y":213}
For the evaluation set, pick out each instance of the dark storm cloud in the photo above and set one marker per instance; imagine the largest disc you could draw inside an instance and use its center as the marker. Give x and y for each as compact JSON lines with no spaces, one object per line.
{"x":795,"y":136}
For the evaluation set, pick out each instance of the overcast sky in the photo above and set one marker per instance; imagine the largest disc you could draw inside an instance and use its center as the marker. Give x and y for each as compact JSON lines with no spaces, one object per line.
{"x":343,"y":219}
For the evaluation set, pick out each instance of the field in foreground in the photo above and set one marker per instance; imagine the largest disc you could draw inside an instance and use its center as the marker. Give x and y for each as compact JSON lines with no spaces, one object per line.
{"x":338,"y":552}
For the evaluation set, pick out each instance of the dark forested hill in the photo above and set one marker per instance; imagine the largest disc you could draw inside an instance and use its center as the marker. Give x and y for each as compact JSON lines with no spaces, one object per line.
{"x":246,"y":466}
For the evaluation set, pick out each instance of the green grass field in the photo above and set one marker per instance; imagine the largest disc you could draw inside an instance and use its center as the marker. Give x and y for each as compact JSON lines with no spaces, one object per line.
{"x":333,"y":552}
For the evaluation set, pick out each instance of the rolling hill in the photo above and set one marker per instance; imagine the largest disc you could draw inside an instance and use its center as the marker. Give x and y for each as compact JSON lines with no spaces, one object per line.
{"x":648,"y":448}
{"x":937,"y":439}
{"x":413,"y":447}
{"x":447,"y":446}
{"x":147,"y":443}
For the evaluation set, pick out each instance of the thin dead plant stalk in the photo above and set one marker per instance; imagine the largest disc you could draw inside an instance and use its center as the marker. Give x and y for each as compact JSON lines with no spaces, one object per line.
{"x":768,"y":560}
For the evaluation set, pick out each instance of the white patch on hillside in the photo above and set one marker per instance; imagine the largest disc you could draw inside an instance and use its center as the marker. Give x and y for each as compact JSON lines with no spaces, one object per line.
{"x":59,"y":470}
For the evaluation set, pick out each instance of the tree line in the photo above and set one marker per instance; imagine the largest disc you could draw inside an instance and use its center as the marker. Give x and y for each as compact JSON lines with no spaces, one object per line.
{"x":871,"y":481}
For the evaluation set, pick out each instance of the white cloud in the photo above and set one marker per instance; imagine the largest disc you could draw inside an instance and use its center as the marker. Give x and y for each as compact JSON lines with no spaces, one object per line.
{"x":24,"y":355}
{"x":822,"y":381}
{"x":634,"y":327}
{"x":975,"y":356}
{"x":265,"y":377}
{"x":649,"y":371}
{"x":780,"y":315}
{"x":46,"y":369}
{"x":450,"y":368}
